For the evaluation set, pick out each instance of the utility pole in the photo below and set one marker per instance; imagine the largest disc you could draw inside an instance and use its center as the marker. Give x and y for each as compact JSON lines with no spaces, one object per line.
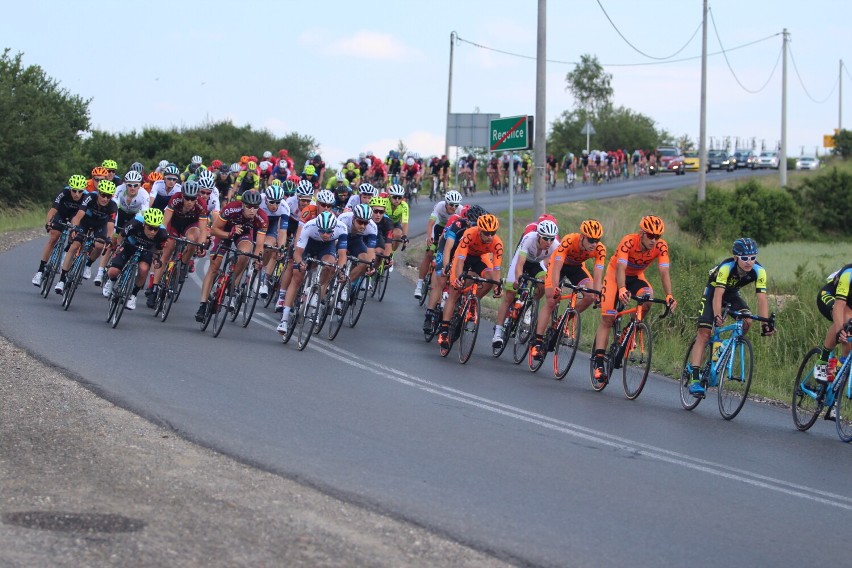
{"x":449,"y":97}
{"x":782,"y":158}
{"x":840,"y":98}
{"x":702,"y":134}
{"x":540,"y":142}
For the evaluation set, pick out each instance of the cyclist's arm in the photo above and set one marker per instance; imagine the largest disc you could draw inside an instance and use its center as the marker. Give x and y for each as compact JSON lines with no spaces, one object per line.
{"x":666,"y":279}
{"x":78,"y":218}
{"x":218,"y":229}
{"x":167,"y":216}
{"x":50,"y":215}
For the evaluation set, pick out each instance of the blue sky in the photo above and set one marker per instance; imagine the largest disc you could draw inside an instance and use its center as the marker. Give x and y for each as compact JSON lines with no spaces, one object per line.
{"x":360,"y":76}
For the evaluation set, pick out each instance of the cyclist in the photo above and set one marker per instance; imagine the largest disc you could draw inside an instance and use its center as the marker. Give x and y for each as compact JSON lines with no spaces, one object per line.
{"x":301,"y":211}
{"x":568,"y":262}
{"x":378,"y":173}
{"x":246,"y":180}
{"x":552,"y":168}
{"x":526,"y":170}
{"x":310,"y":174}
{"x":150,"y":179}
{"x":366,"y":192}
{"x":384,"y":225}
{"x":243,"y":224}
{"x":162,"y":191}
{"x":398,"y":212}
{"x":411,"y":172}
{"x":145,"y":230}
{"x":278,"y":213}
{"x":394,"y":165}
{"x":723,"y":287}
{"x":64,"y":207}
{"x":98,"y":173}
{"x":444,"y":171}
{"x":434,"y":227}
{"x":480,"y":251}
{"x":625,"y":275}
{"x":529,"y":258}
{"x":131,"y":200}
{"x":96,"y":215}
{"x":833,"y":301}
{"x":185,"y":216}
{"x":195,"y":163}
{"x":324,"y":238}
{"x":362,"y":234}
{"x":208,"y":191}
{"x":111,"y":167}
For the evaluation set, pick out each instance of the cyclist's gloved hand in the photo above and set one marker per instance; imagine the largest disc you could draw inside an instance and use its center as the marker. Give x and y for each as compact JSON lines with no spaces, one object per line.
{"x":47,"y":228}
{"x":458,"y":283}
{"x":671,"y":302}
{"x":767,"y":329}
{"x":624,"y":295}
{"x":718,"y":321}
{"x":596,"y":303}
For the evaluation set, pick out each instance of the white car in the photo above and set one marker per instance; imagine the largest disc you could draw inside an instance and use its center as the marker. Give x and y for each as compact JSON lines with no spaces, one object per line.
{"x":807,"y":163}
{"x":767,"y":160}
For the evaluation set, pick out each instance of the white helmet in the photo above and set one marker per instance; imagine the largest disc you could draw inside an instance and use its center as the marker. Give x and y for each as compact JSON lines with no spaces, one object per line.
{"x":206,"y":180}
{"x":547,"y":228}
{"x":326,"y":221}
{"x":267,"y":155}
{"x":340,"y":176}
{"x":367,"y":189}
{"x":453,"y":197}
{"x":133,"y":177}
{"x":196,"y":160}
{"x":305,"y":189}
{"x":416,"y":156}
{"x":409,"y":162}
{"x":163,"y":164}
{"x":396,"y":190}
{"x":325,"y":196}
{"x":362,"y":155}
{"x":236,"y":168}
{"x":264,"y":165}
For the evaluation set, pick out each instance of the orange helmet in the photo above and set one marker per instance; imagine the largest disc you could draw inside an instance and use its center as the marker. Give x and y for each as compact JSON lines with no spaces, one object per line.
{"x":155,"y":176}
{"x":100,"y":171}
{"x":244,"y":159}
{"x":488,"y":222}
{"x":308,"y":213}
{"x":591,"y":228}
{"x":652,"y":224}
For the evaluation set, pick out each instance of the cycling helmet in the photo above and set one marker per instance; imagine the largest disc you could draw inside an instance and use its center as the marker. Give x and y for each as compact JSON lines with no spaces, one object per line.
{"x":192,"y":168}
{"x":137,"y":167}
{"x":133,"y":177}
{"x":744,"y":246}
{"x":379,"y":202}
{"x":546,"y":217}
{"x":326,"y":221}
{"x":206,"y":180}
{"x":547,"y":228}
{"x":163,"y":164}
{"x":325,"y":197}
{"x":251,"y":166}
{"x":453,"y":197}
{"x":591,"y":228}
{"x":310,"y":170}
{"x":100,"y":171}
{"x":409,"y":162}
{"x":311,"y":154}
{"x":274,"y":193}
{"x":196,"y":159}
{"x":267,"y":155}
{"x":225,"y":168}
{"x":215,"y":164}
{"x":289,"y":187}
{"x":189,"y":189}
{"x":110,"y":164}
{"x":106,"y":187}
{"x":264,"y":165}
{"x":317,"y":159}
{"x":171,"y":170}
{"x":463,"y":211}
{"x":488,"y":222}
{"x":308,"y":213}
{"x":236,"y":168}
{"x":416,"y":157}
{"x":367,"y":189}
{"x":652,"y":224}
{"x":155,"y":176}
{"x":340,"y":176}
{"x":362,"y":211}
{"x":244,"y":159}
{"x":77,"y":182}
{"x":305,"y":189}
{"x":275,"y":181}
{"x":474,"y":212}
{"x":397,"y":190}
{"x":370,"y":154}
{"x":362,"y":155}
{"x":251,"y":197}
{"x":153,"y":217}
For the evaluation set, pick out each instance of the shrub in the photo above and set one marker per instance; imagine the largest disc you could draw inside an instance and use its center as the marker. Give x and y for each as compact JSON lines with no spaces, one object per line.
{"x":821,"y":198}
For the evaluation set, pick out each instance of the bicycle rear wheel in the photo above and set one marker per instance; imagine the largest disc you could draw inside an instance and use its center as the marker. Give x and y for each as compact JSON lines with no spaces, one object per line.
{"x":294,"y":317}
{"x":170,"y":294}
{"x":527,"y":320}
{"x":376,"y":279}
{"x":239,"y":299}
{"x":384,"y":283}
{"x":125,"y":288}
{"x":843,"y":406}
{"x":308,"y":318}
{"x":509,"y":330}
{"x":220,"y":306}
{"x":567,"y":343}
{"x":253,"y":292}
{"x":689,"y":401}
{"x":637,"y":361}
{"x":72,"y":280}
{"x":808,"y":394}
{"x":358,"y":299}
{"x":427,"y":286}
{"x":735,"y":378}
{"x":180,"y":275}
{"x":323,"y":307}
{"x":469,"y":330}
{"x":338,"y":308}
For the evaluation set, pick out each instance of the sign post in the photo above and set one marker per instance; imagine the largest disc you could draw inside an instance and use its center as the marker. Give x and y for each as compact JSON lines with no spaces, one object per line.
{"x":509,"y":134}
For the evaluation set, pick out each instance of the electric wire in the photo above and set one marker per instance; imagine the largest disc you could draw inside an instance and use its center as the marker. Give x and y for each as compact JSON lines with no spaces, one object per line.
{"x":802,"y":83}
{"x":636,"y":49}
{"x":737,"y":79}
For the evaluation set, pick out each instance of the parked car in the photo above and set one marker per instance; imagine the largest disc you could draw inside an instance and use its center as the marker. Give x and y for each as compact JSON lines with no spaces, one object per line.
{"x":743,"y":159}
{"x":719,"y":160}
{"x":691,"y":161}
{"x":767,"y":160}
{"x":670,"y":159}
{"x":807,"y":163}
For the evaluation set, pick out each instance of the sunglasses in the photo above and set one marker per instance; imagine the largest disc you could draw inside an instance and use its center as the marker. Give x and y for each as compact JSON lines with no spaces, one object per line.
{"x":188,"y":198}
{"x":361,"y":221}
{"x":396,"y":197}
{"x":78,"y":191}
{"x":487,"y":233}
{"x":107,"y":195}
{"x":271,"y":202}
{"x":747,"y":258}
{"x":593,"y":241}
{"x":131,"y":185}
{"x":453,"y":205}
{"x":326,"y":231}
{"x":653,"y":237}
{"x":548,"y":239}
{"x":378,"y":211}
{"x":171,"y":178}
{"x":152,"y":227}
{"x":326,"y":205}
{"x":247,"y":206}
{"x":205,"y":193}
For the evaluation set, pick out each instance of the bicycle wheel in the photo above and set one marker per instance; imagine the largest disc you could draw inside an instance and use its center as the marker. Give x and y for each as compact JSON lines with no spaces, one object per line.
{"x":525,"y":330}
{"x":510,"y":325}
{"x":808,"y":394}
{"x":72,"y":280}
{"x":275,"y":278}
{"x":221,"y":305}
{"x":735,"y":378}
{"x":384,"y":283}
{"x":427,"y":286}
{"x":687,"y":400}
{"x":180,"y":275}
{"x":306,"y":325}
{"x":324,"y":306}
{"x":294,"y":315}
{"x":113,"y":302}
{"x":469,"y":330}
{"x":253,"y":292}
{"x":50,"y":270}
{"x":358,"y":299}
{"x":637,"y":361}
{"x":239,"y":298}
{"x":376,"y":279}
{"x":570,"y":327}
{"x":170,"y":294}
{"x":843,"y":406}
{"x":125,"y":281}
{"x":338,"y":308}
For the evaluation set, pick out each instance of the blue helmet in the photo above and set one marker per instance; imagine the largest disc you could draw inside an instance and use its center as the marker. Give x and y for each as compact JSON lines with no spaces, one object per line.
{"x":744,"y":246}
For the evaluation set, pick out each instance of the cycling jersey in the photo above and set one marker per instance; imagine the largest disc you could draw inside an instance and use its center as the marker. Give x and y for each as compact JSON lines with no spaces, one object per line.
{"x":134,"y":235}
{"x":311,"y":233}
{"x":131,"y":205}
{"x":528,"y":251}
{"x":440,"y":213}
{"x":629,"y":252}
{"x":573,"y":258}
{"x":245,"y":183}
{"x":358,"y":242}
{"x":66,"y":206}
{"x":394,"y":166}
{"x":232,"y":214}
{"x":471,"y":245}
{"x":97,"y":215}
{"x":398,"y":214}
{"x":278,"y":219}
{"x":726,"y":275}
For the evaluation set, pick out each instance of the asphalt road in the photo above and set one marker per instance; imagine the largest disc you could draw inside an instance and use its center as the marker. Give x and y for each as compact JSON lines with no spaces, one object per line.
{"x":531,"y":470}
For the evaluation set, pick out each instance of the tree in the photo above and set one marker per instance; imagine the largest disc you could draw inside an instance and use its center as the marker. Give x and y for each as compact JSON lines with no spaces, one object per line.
{"x":590,"y":85}
{"x":843,"y":143}
{"x":40,"y":127}
{"x":615,"y":128}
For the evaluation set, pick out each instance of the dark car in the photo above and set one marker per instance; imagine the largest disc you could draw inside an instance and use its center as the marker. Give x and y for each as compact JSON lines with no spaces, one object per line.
{"x":719,"y":160}
{"x":744,"y":159}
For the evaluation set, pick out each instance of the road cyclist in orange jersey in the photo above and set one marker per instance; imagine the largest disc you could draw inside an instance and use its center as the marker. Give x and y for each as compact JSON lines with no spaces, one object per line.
{"x":625,"y":276}
{"x":568,"y":262}
{"x":480,"y":251}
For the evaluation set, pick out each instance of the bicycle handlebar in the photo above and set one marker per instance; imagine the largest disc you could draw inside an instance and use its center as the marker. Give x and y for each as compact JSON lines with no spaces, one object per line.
{"x":647,"y":299}
{"x":480,"y":280}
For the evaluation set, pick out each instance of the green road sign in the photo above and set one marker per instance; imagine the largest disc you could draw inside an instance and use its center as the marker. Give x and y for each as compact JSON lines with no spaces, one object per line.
{"x":511,"y":133}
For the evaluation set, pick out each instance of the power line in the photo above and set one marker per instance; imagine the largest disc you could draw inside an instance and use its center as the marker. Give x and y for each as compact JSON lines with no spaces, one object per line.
{"x":846,"y":69}
{"x":724,"y":52}
{"x":793,"y":59}
{"x":636,"y":49}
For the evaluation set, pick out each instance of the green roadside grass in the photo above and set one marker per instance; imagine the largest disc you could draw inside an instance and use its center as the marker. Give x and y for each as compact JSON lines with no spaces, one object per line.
{"x":12,"y":219}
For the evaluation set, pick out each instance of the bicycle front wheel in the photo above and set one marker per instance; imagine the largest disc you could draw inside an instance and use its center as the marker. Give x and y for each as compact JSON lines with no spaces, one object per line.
{"x":687,"y":400}
{"x":126,"y":281}
{"x":308,"y":318}
{"x":843,"y":406}
{"x":808,"y":394}
{"x":72,"y":280}
{"x":221,"y":306}
{"x":470,"y":329}
{"x":384,"y":283}
{"x":169,"y":292}
{"x":525,"y":331}
{"x":358,"y":299}
{"x":735,"y":378}
{"x":427,"y":286}
{"x":338,"y":308}
{"x":567,"y":343}
{"x":253,"y":291}
{"x":637,"y":361}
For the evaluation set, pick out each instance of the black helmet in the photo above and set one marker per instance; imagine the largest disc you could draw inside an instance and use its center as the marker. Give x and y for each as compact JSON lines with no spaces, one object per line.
{"x":474,"y":212}
{"x":744,"y":246}
{"x":251,"y":197}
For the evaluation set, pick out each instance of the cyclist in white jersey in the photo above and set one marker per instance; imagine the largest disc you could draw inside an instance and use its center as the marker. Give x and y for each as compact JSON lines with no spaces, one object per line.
{"x":434,"y":229}
{"x":278,"y":213}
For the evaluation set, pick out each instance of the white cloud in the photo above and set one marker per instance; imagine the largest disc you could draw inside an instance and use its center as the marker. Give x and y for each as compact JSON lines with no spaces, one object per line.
{"x":372,"y":45}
